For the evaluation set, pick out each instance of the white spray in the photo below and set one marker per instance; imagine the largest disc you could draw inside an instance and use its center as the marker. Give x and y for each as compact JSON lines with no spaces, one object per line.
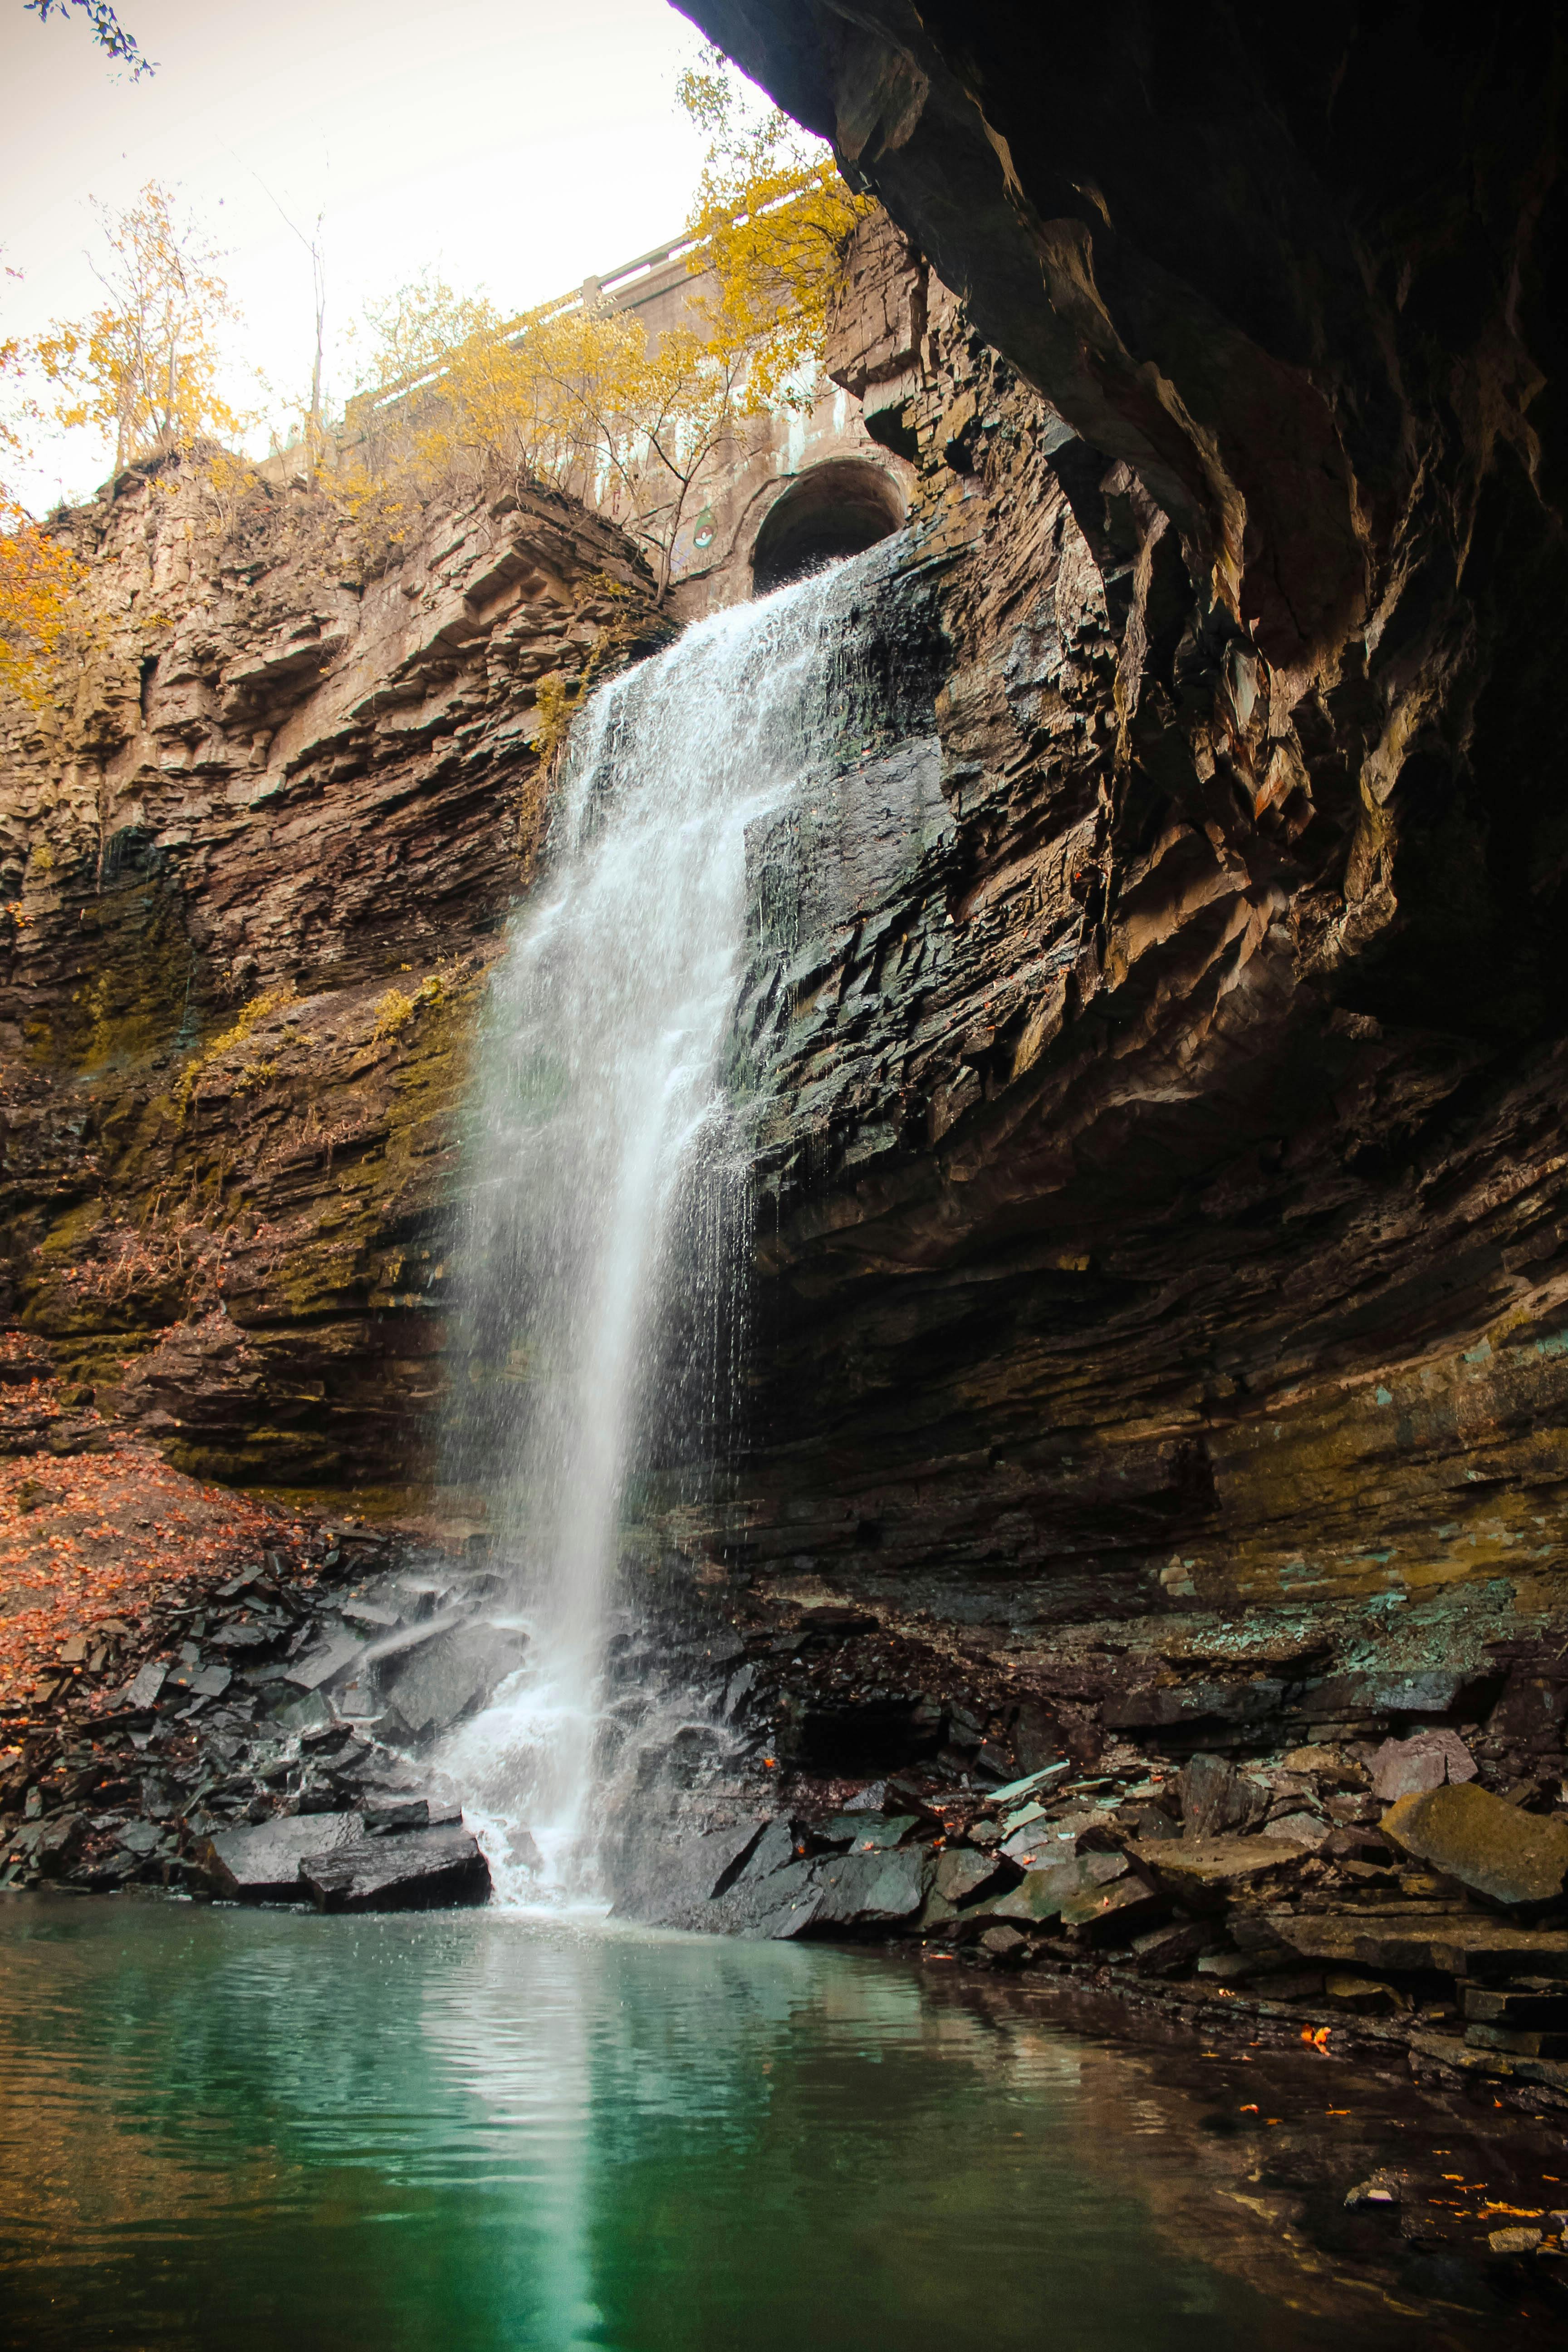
{"x":610,"y":1165}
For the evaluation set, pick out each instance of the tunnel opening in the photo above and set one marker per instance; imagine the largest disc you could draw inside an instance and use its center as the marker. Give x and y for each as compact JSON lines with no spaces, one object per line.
{"x":837,"y":508}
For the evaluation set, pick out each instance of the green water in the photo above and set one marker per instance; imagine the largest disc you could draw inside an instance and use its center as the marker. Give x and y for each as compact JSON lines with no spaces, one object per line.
{"x":237,"y":2129}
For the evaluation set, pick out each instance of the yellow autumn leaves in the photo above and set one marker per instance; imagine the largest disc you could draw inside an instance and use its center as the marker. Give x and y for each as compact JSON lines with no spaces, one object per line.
{"x":143,"y":368}
{"x":456,"y":397}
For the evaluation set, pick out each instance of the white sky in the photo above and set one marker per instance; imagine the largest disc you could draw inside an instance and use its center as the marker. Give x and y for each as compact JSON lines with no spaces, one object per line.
{"x":513,"y":144}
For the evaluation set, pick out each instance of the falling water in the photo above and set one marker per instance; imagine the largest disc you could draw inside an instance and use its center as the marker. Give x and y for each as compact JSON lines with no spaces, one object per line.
{"x":607,"y":1230}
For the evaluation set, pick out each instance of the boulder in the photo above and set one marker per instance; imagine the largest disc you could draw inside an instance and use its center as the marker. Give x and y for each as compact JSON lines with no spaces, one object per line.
{"x":797,"y":1899}
{"x":437,"y":1681}
{"x":1078,"y":1894}
{"x":261,"y":1863}
{"x":774,"y":1850}
{"x":1509,"y":1856}
{"x":668,"y":1871}
{"x":867,"y":1890}
{"x":418,"y":1870}
{"x":962,"y":1874}
{"x":1406,"y":1767}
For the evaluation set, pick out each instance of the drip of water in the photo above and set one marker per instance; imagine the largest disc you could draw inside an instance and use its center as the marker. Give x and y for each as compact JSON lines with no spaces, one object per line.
{"x":606,"y":1237}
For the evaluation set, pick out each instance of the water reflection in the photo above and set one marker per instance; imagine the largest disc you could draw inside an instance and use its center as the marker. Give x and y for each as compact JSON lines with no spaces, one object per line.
{"x":482,"y":2131}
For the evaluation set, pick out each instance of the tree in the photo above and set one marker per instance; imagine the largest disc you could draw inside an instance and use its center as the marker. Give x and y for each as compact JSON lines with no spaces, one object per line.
{"x":144,"y":367}
{"x":579,"y":395}
{"x":771,"y":224}
{"x":574,"y":395}
{"x":39,"y":581}
{"x":315,"y":423}
{"x":40,"y":606}
{"x":107,"y":29}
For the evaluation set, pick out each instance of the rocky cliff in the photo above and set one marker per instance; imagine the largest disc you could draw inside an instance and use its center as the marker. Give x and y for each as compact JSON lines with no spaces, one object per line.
{"x":256,"y":870}
{"x":1170,"y":1176}
{"x":1160,"y":1275}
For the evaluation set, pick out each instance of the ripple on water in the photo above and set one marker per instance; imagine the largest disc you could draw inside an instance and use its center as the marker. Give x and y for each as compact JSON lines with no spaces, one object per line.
{"x":476,"y":2130}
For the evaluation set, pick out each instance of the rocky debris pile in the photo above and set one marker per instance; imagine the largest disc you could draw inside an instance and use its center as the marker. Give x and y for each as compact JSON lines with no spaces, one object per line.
{"x":1284,"y":1886}
{"x":1406,"y":1887}
{"x":411,"y":1854}
{"x":262,"y":1739}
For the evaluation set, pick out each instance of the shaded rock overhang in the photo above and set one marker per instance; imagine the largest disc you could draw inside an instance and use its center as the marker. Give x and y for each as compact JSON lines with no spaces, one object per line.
{"x":1299,"y":280}
{"x":1282,"y":267}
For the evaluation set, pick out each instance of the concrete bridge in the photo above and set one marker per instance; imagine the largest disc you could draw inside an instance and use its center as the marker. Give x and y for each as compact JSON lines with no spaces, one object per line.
{"x":782,"y":493}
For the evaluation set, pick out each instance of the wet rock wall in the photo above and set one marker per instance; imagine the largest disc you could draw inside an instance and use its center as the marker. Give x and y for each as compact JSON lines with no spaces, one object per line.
{"x":1165,"y":1208}
{"x":256,"y":861}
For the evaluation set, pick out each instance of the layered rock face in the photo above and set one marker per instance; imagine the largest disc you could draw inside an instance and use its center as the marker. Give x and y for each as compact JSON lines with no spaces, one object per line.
{"x":1168,"y":1169}
{"x":256,"y":874}
{"x":1161,"y":1225}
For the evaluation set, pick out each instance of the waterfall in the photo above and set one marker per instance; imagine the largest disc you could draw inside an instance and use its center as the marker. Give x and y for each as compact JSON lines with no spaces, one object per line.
{"x":608,"y":1236}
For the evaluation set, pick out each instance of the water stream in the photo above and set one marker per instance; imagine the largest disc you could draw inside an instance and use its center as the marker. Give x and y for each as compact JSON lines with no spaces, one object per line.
{"x":608,"y":1234}
{"x":495,"y":2134}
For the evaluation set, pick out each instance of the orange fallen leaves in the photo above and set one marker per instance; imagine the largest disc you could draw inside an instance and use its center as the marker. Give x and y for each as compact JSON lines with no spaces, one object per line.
{"x":171,"y":1533}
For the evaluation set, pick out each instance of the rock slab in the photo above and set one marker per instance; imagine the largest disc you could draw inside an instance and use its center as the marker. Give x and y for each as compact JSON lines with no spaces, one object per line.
{"x":421,"y":1870}
{"x":261,"y":1865}
{"x":1491,"y":1847}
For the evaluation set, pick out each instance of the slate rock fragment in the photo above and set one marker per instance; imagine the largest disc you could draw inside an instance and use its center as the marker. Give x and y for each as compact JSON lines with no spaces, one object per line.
{"x":1508,"y":1856}
{"x":1405,"y":1768}
{"x":322,"y":1666}
{"x":1216,"y":1798}
{"x":397,"y":1809}
{"x":1204,"y":1872}
{"x":142,"y":1690}
{"x":251,"y":1637}
{"x":1533,"y":2009}
{"x":1443,"y":1943}
{"x":867,"y":1890}
{"x":1384,"y":2187}
{"x":260,"y":1864}
{"x":1300,"y":1829}
{"x":419,"y":1870}
{"x":1161,"y":1951}
{"x":865,"y":1833}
